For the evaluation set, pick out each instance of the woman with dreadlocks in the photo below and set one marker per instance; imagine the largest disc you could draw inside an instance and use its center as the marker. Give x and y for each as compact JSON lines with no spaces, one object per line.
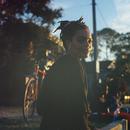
{"x":62,"y":101}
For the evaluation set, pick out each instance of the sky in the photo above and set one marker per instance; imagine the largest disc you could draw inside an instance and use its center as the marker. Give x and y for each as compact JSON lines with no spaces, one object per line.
{"x":109,"y":13}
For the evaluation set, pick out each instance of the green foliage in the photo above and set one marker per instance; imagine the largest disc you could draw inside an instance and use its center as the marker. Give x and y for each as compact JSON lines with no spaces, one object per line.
{"x":24,"y":29}
{"x":119,"y":44}
{"x":37,"y":8}
{"x":107,"y":31}
{"x":108,"y":35}
{"x":19,"y":31}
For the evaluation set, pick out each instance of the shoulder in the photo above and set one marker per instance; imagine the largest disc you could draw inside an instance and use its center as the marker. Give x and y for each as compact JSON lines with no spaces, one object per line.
{"x":67,"y":60}
{"x":64,"y":64}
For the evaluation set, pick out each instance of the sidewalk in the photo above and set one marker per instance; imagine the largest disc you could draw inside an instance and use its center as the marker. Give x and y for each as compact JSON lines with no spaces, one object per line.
{"x":11,"y":118}
{"x":10,"y":112}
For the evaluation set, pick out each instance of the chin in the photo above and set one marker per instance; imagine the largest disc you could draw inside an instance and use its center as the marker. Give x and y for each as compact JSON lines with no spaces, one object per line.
{"x":84,"y":56}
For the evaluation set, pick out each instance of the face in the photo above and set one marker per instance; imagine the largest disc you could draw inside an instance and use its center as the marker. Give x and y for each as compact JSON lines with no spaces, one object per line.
{"x":81,"y":43}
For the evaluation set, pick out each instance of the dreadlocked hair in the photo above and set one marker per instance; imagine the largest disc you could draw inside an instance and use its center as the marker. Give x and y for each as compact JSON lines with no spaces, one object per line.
{"x":69,"y":28}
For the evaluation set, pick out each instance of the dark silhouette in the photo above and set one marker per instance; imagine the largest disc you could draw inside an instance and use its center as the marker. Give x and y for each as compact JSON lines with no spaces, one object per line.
{"x":62,"y":101}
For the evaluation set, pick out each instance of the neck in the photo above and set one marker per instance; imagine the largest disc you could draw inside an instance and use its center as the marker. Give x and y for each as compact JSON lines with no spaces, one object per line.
{"x":74,"y":55}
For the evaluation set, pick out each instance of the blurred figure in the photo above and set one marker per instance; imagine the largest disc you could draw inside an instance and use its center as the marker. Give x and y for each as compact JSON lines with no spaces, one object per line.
{"x":113,"y":99}
{"x":102,"y":103}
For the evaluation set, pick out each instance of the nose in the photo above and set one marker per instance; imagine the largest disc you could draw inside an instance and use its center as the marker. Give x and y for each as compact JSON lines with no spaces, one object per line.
{"x":86,"y":43}
{"x":89,"y":42}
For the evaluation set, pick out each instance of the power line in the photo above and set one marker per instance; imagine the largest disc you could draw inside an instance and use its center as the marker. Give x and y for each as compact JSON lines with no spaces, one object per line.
{"x":79,"y":5}
{"x":103,"y":18}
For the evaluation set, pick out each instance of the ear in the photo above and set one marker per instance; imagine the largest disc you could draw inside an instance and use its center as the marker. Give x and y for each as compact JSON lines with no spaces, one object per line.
{"x":68,"y":43}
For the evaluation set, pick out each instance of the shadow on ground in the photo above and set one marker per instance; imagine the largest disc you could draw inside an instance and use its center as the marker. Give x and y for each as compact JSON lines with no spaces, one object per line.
{"x":18,"y":124}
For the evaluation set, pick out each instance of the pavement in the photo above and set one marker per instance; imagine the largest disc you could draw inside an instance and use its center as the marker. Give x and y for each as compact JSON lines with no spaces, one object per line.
{"x":11,"y":118}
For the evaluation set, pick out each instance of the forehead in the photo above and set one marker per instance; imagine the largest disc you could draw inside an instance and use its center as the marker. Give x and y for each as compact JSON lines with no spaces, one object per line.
{"x":83,"y":33}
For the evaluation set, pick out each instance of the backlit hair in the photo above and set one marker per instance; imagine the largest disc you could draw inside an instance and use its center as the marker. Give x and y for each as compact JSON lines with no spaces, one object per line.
{"x":69,"y":28}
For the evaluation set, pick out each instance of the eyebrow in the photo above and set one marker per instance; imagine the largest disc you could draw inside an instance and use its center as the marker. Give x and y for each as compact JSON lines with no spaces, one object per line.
{"x":85,"y":36}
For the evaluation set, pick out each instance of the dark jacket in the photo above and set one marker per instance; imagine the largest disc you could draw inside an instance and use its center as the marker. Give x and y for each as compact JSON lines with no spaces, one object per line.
{"x":60,"y":100}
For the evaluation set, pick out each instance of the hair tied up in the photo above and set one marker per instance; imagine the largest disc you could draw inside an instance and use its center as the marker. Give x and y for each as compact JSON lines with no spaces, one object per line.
{"x":80,"y":20}
{"x":64,"y":24}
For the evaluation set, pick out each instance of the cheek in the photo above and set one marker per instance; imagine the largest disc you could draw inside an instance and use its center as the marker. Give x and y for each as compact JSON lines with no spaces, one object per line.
{"x":78,"y":47}
{"x":75,"y":45}
{"x":90,"y":47}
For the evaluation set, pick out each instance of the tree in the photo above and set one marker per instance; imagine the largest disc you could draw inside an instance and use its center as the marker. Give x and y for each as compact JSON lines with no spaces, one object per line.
{"x":113,"y":41}
{"x":13,"y":18}
{"x":119,"y":44}
{"x":23,"y":40}
{"x":31,"y":10}
{"x":106,"y":38}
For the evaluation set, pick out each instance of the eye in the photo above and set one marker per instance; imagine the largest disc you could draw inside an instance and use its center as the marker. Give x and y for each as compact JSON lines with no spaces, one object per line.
{"x":89,"y":40}
{"x":81,"y":40}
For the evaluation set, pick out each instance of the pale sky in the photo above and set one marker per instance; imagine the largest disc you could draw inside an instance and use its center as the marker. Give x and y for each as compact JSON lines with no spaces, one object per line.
{"x":109,"y":13}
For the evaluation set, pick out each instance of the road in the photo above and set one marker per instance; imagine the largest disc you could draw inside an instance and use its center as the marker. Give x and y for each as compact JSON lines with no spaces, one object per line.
{"x":11,"y":119}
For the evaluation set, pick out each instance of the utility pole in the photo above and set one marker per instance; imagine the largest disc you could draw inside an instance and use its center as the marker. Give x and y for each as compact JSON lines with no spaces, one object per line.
{"x":96,"y":63}
{"x":94,"y":29}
